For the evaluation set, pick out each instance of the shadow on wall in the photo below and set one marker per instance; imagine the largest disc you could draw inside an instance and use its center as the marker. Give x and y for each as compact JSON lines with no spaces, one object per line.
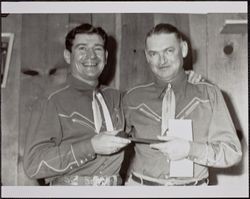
{"x":190,"y":59}
{"x":110,"y":68}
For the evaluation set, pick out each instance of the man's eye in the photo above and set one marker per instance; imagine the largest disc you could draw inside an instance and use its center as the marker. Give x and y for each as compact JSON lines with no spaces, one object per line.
{"x":152,"y":54}
{"x":170,"y":50}
{"x":99,"y":49}
{"x":82,"y":48}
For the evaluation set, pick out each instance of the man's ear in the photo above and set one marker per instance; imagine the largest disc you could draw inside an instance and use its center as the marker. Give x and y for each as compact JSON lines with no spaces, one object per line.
{"x":106,"y":55}
{"x":184,"y":49}
{"x":66,"y":55}
{"x":146,"y":54}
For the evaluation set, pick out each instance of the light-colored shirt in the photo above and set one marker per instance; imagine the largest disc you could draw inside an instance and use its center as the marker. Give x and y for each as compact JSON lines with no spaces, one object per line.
{"x":215,"y":142}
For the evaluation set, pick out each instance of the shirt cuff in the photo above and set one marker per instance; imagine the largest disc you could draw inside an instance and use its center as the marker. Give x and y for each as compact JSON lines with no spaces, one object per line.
{"x":198,"y":152}
{"x":83,"y":152}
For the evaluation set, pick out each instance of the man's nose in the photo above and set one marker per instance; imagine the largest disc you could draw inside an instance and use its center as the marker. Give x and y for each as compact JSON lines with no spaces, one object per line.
{"x":163,"y":58}
{"x":91,"y":53}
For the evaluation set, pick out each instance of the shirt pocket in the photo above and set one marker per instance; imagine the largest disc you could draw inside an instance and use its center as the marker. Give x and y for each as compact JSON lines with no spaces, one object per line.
{"x":146,"y":111}
{"x":81,"y":122}
{"x":190,"y":107}
{"x":78,"y":118}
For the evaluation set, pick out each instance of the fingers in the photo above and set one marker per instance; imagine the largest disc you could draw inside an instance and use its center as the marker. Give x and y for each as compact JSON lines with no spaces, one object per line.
{"x":190,"y":75}
{"x":120,"y":140}
{"x":108,"y":138}
{"x":163,"y":145}
{"x":199,"y":77}
{"x":158,"y":146}
{"x":194,"y":77}
{"x":108,"y":144}
{"x":111,"y":132}
{"x":118,"y":144}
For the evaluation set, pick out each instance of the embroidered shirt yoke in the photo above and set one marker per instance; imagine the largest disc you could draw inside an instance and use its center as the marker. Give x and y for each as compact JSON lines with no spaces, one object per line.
{"x":60,"y":132}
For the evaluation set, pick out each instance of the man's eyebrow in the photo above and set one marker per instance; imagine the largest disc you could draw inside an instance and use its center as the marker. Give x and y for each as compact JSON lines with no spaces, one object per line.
{"x":152,"y":51}
{"x":161,"y":50}
{"x":81,"y":44}
{"x":85,"y":44}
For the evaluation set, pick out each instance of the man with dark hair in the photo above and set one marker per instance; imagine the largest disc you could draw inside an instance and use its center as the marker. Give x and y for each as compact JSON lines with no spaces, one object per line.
{"x":153,"y":110}
{"x":71,"y":139}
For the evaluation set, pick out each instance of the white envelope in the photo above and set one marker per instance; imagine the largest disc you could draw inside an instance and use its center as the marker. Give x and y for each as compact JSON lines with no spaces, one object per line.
{"x":182,"y":129}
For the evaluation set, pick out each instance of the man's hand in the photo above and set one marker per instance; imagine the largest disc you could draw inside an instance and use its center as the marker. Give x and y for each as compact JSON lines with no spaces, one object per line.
{"x":174,"y":148}
{"x":106,"y":143}
{"x":193,"y":77}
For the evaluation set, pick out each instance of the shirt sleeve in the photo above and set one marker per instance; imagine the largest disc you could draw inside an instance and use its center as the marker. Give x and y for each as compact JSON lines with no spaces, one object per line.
{"x":46,"y":153}
{"x":223,"y":148}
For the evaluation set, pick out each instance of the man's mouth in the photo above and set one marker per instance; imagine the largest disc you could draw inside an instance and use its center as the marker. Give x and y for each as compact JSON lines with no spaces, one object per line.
{"x":90,"y":64}
{"x":164,"y":67}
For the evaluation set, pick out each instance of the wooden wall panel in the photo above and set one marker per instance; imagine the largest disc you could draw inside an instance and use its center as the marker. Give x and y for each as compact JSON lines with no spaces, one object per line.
{"x":10,"y":105}
{"x":181,"y":21}
{"x":198,"y":40}
{"x":57,"y":30}
{"x":34,"y":45}
{"x":229,"y":72}
{"x":134,"y":69}
{"x":77,"y":19}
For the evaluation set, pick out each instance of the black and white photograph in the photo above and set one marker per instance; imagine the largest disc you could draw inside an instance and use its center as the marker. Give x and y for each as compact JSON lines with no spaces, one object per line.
{"x":123,"y":99}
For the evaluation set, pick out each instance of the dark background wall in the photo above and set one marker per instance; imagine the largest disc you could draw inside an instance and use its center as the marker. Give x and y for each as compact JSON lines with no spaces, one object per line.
{"x":37,"y":62}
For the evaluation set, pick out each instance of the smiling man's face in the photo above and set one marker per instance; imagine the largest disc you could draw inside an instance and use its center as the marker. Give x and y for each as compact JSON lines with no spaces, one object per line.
{"x":88,"y":56}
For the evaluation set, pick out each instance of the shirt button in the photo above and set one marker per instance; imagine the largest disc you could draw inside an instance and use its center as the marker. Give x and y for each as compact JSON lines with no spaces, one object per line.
{"x":71,"y":167}
{"x":81,"y":161}
{"x":86,"y":159}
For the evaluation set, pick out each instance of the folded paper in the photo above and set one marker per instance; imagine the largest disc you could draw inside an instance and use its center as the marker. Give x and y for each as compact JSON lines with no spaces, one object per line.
{"x":182,"y":129}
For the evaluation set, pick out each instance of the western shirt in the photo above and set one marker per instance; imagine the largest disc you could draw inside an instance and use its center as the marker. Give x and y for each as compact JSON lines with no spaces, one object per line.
{"x":215,"y":142}
{"x":62,"y":125}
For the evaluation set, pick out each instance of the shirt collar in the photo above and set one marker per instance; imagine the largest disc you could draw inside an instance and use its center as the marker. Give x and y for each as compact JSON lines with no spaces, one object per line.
{"x":80,"y":85}
{"x":176,"y":84}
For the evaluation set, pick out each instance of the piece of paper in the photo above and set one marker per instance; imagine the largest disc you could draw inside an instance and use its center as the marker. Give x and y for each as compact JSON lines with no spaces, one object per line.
{"x":182,"y":129}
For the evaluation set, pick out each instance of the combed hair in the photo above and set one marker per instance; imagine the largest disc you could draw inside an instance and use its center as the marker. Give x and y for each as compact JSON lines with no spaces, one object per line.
{"x":164,"y":28}
{"x":87,"y":29}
